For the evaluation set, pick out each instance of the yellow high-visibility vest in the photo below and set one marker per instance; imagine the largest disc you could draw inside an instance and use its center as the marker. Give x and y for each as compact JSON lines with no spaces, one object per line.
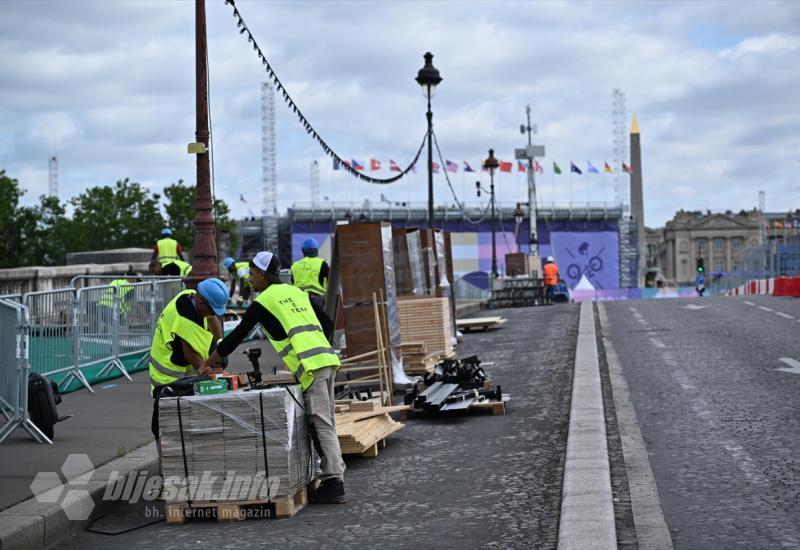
{"x":171,"y":324}
{"x":167,"y":249}
{"x":305,"y":348}
{"x":305,"y":274}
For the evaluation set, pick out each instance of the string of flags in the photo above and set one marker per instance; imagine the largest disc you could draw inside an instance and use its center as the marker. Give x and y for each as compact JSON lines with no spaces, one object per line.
{"x":453,"y":167}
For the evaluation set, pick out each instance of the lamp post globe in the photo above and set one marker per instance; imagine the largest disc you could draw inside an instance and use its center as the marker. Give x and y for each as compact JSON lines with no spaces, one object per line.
{"x":519,"y":215}
{"x":428,"y":78}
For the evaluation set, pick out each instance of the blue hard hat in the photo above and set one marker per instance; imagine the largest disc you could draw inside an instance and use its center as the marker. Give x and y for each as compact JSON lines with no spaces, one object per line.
{"x":310,"y":244}
{"x":215,"y":293}
{"x":166,"y":232}
{"x":228,"y":262}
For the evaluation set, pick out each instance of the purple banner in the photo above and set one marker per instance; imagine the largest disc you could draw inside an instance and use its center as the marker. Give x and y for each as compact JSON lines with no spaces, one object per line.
{"x":594,"y":254}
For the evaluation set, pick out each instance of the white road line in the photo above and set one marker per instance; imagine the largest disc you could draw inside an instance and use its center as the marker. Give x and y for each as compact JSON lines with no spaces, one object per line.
{"x":766,"y":308}
{"x":749,"y":303}
{"x":658,"y":343}
{"x":784,"y":315}
{"x":795,"y":365}
{"x":637,"y":315}
{"x":642,"y":321}
{"x":633,"y":309}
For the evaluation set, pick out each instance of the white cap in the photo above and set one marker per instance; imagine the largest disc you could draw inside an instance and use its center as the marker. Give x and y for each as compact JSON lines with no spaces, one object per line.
{"x":267,"y":262}
{"x":550,"y":259}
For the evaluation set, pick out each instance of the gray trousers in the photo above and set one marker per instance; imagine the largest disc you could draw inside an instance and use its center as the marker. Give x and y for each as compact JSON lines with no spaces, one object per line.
{"x":319,"y":399}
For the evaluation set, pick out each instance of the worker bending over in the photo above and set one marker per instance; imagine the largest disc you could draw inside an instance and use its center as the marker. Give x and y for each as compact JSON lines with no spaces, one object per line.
{"x":167,"y":248}
{"x":186,"y":333}
{"x":311,"y":272}
{"x":297,"y":330}
{"x":170,"y":268}
{"x":239,"y":271}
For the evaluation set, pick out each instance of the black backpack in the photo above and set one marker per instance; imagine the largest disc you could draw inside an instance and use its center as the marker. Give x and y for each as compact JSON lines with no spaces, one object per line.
{"x":43,"y":396}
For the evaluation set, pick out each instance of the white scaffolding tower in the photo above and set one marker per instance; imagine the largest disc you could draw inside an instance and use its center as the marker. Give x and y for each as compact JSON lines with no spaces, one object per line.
{"x":762,"y":218}
{"x":314,"y":180}
{"x":268,"y":168}
{"x":52,"y":170}
{"x":628,"y":260}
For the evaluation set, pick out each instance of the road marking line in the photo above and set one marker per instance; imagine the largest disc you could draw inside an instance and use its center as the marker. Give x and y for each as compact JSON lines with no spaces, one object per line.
{"x":795,"y":365}
{"x":657,"y":343}
{"x":633,"y":309}
{"x":642,"y":321}
{"x":784,"y":315}
{"x":766,"y":309}
{"x":637,"y":315}
{"x":749,"y":303}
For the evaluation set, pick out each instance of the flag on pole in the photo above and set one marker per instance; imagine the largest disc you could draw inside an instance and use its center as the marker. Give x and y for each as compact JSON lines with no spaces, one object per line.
{"x":356,"y":165}
{"x":591,"y":168}
{"x":337,"y":164}
{"x":393,"y":167}
{"x":435,"y":168}
{"x":385,"y":199}
{"x":626,"y":168}
{"x":538,"y":167}
{"x":241,"y":198}
{"x":556,"y":168}
{"x":573,"y":168}
{"x":505,"y":166}
{"x":326,"y":197}
{"x":607,"y":169}
{"x":450,"y":166}
{"x":467,"y":167}
{"x":374,"y":164}
{"x":520,"y":166}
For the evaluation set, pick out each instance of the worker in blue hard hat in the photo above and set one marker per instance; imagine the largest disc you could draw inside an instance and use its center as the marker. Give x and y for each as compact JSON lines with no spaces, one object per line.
{"x":167,"y":248}
{"x":186,"y":334}
{"x":238,"y":271}
{"x":311,"y":273}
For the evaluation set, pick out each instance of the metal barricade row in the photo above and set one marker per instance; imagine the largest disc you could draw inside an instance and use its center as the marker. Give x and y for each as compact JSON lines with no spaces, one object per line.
{"x":14,"y":367}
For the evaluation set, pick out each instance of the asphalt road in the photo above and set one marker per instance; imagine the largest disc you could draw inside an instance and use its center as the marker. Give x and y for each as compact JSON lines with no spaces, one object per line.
{"x":720,"y":422}
{"x":466,"y":481}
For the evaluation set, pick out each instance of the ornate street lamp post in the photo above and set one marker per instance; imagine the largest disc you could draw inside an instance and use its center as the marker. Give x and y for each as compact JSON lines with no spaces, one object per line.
{"x":491,"y":164}
{"x":428,"y":78}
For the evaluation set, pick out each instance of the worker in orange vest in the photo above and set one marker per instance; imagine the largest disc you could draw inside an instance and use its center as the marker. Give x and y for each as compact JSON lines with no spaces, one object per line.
{"x":550,"y":278}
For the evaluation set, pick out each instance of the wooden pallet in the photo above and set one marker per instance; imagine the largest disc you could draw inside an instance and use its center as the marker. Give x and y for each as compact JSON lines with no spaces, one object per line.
{"x":363,"y":431}
{"x":177,"y":513}
{"x":480,"y":323}
{"x":496,"y":408}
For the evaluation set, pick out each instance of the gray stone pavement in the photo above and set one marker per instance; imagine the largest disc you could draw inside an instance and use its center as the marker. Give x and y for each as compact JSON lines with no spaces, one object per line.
{"x":461,"y":481}
{"x":720,"y":423}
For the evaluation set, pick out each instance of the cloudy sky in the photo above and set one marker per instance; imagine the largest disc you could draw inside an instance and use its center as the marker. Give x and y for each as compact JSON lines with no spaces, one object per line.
{"x":108,"y":86}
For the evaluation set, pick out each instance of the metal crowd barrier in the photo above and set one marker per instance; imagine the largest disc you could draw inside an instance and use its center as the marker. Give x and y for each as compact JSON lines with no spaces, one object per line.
{"x":87,"y":280}
{"x":14,"y":366}
{"x":72,"y":329}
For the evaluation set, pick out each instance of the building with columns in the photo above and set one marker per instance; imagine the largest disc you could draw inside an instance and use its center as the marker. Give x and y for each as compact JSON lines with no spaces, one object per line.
{"x":720,"y":239}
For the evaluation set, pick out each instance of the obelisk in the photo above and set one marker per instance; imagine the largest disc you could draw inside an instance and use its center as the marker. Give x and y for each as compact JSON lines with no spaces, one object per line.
{"x":637,"y":200}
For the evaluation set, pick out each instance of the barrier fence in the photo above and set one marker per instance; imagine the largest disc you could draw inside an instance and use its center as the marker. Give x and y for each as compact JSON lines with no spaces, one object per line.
{"x":14,"y":367}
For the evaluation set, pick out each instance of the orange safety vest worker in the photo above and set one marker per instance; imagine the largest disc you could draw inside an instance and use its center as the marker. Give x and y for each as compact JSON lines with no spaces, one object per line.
{"x":550,"y":274}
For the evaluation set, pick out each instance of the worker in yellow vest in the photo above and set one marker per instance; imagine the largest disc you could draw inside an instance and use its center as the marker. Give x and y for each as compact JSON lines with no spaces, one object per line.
{"x":105,"y":305}
{"x":167,"y":248}
{"x":299,"y":332}
{"x":185,"y":335}
{"x":311,"y":273}
{"x":238,"y":271}
{"x":170,"y":268}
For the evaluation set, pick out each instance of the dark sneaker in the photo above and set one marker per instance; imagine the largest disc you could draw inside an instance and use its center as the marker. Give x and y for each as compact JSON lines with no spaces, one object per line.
{"x":330,"y":491}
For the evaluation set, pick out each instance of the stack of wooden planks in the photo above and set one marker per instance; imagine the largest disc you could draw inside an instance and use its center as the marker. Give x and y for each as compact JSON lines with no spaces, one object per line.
{"x":426,"y":320}
{"x":480,"y":323}
{"x":363,"y":426}
{"x":416,"y":359}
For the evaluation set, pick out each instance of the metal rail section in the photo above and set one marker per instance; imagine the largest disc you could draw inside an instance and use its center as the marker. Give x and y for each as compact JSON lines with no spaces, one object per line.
{"x":14,"y":367}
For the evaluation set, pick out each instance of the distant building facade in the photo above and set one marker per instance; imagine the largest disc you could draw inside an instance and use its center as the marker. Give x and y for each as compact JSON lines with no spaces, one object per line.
{"x":720,"y":239}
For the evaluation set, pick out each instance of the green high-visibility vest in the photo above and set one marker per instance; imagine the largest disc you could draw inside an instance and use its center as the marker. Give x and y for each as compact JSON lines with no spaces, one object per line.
{"x":245,"y":278}
{"x":124,"y":288}
{"x":305,"y":274}
{"x":167,"y":249}
{"x":171,"y":324}
{"x":305,"y":348}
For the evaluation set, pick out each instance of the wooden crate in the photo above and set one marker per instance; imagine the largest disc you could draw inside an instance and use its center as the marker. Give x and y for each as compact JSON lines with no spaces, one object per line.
{"x":426,"y":320}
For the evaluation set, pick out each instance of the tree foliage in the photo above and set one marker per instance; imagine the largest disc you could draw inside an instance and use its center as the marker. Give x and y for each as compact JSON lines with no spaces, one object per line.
{"x":103,"y":217}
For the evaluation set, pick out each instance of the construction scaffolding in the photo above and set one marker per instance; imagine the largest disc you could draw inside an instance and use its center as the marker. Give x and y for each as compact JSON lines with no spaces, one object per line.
{"x":268,"y":167}
{"x":628,"y":254}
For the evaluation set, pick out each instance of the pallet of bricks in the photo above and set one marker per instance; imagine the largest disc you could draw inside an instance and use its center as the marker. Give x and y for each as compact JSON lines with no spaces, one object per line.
{"x":424,"y":321}
{"x":363,"y":426}
{"x":235,"y":455}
